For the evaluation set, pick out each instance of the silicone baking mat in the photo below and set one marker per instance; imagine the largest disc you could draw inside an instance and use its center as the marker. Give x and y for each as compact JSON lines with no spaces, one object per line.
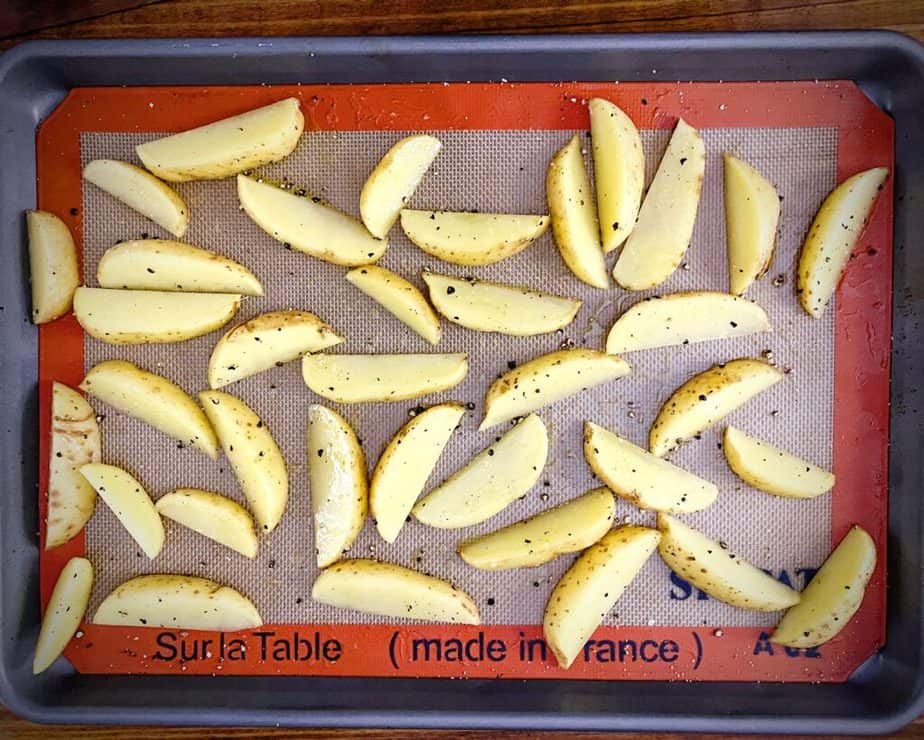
{"x":497,"y":140}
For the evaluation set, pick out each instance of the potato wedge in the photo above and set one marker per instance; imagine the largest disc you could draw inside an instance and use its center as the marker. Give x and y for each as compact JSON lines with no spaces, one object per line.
{"x":52,"y":266}
{"x":140,"y":191}
{"x":685,"y":318}
{"x":65,"y":610}
{"x":507,"y":309}
{"x":306,"y":224}
{"x":590,"y":588}
{"x":265,"y":341}
{"x":706,"y":399}
{"x":150,"y":316}
{"x":228,"y":146}
{"x":337,"y":476}
{"x":153,"y":399}
{"x":393,"y":181}
{"x":213,"y":516}
{"x":711,"y":567}
{"x":359,"y":378}
{"x":399,"y":297}
{"x":547,"y":379}
{"x":570,"y":527}
{"x":619,"y":171}
{"x":656,"y":246}
{"x":490,"y":481}
{"x":74,"y":443}
{"x":472,"y":238}
{"x":178,"y":602}
{"x":833,"y":596}
{"x":641,"y":478}
{"x":770,"y":469}
{"x":406,"y":464}
{"x":393,"y":591}
{"x":162,"y":264}
{"x":752,"y":211}
{"x":833,"y":235}
{"x":130,"y":503}
{"x":253,"y":453}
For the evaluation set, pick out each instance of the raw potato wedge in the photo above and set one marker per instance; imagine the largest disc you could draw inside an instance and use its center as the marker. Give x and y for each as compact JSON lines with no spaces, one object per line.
{"x":130,"y":503}
{"x":472,"y":238}
{"x":399,"y":297}
{"x":393,"y":181}
{"x":360,"y":378}
{"x":656,"y":246}
{"x":507,"y":309}
{"x":65,"y":610}
{"x":228,"y":146}
{"x":393,"y":591}
{"x":265,"y":341}
{"x":833,"y":235}
{"x":592,"y":586}
{"x":213,"y":516}
{"x":547,"y":379}
{"x":306,"y":224}
{"x":712,"y":568}
{"x":162,"y":264}
{"x":178,"y":602}
{"x":52,"y":266}
{"x":337,"y":475}
{"x":833,"y":595}
{"x":74,"y":443}
{"x":153,"y":399}
{"x":151,"y":316}
{"x":619,"y":171}
{"x":406,"y":464}
{"x":770,"y":469}
{"x":752,"y":211}
{"x":570,"y":527}
{"x":641,"y":478}
{"x":253,"y":453}
{"x":706,"y":399}
{"x":140,"y":191}
{"x":574,"y":215}
{"x":490,"y":481}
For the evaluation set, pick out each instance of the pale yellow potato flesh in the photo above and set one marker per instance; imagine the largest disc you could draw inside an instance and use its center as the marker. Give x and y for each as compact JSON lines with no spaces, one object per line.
{"x":212,"y":515}
{"x":306,"y":224}
{"x":490,"y":481}
{"x":713,"y":568}
{"x":619,"y":171}
{"x":833,"y":235}
{"x":153,"y":399}
{"x":592,"y":586}
{"x":506,"y":309}
{"x":338,"y":485}
{"x":75,"y":442}
{"x":140,"y":191}
{"x":393,"y":591}
{"x":546,"y":379}
{"x":65,"y":610}
{"x":226,"y":147}
{"x":574,"y":215}
{"x":391,"y":184}
{"x":833,"y":596}
{"x":569,"y":527}
{"x":267,"y":340}
{"x":399,"y":297}
{"x":656,"y":246}
{"x":406,"y":464}
{"x":706,"y":399}
{"x":52,"y":266}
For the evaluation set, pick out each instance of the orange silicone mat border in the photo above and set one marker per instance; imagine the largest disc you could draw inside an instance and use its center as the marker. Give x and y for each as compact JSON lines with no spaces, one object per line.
{"x":862,"y":363}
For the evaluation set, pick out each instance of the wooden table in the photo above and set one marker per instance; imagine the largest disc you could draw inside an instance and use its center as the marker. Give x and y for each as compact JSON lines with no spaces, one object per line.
{"x":27,"y":19}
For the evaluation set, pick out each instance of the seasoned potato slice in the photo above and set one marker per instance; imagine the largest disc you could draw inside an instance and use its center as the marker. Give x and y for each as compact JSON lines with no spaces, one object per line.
{"x":399,"y":297}
{"x":66,"y":607}
{"x":213,"y":516}
{"x":52,"y":266}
